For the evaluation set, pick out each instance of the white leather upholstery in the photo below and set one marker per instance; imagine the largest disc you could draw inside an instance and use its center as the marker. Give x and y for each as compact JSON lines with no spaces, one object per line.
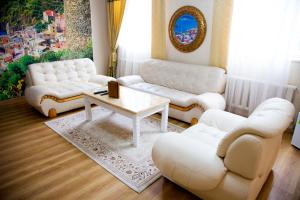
{"x":192,"y":158}
{"x":177,"y":97}
{"x":130,"y":80}
{"x":194,"y":167}
{"x":267,"y":120}
{"x":73,"y":70}
{"x":61,"y":79}
{"x":196,"y":79}
{"x":183,"y":84}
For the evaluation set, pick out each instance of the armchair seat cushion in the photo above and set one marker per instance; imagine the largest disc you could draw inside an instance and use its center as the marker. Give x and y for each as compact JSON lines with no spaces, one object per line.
{"x":193,"y":165}
{"x":177,"y":97}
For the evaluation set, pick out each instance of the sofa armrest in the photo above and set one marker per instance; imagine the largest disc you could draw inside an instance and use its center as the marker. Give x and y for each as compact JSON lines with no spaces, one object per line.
{"x":211,"y":100}
{"x":101,"y":79}
{"x":190,"y":163}
{"x":220,"y":119}
{"x":35,"y":93}
{"x":130,"y":80}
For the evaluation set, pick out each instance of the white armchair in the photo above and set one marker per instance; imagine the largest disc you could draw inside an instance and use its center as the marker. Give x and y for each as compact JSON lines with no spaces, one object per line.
{"x":225,"y":156}
{"x":55,"y":87}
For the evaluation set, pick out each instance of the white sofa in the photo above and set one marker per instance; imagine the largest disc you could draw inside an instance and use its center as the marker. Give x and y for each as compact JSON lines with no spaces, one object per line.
{"x":55,"y":87}
{"x":225,"y":156}
{"x":192,"y":89}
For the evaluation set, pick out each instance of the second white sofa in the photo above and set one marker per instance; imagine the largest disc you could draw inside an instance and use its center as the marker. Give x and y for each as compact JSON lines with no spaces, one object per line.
{"x":192,"y":89}
{"x":55,"y":87}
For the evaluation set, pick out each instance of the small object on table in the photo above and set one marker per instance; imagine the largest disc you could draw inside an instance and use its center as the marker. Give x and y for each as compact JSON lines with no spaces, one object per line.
{"x":100,"y":92}
{"x":104,"y":93}
{"x":113,"y":89}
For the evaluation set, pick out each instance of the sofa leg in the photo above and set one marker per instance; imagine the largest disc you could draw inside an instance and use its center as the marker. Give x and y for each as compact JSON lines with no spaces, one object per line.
{"x":194,"y":121}
{"x":52,"y":113}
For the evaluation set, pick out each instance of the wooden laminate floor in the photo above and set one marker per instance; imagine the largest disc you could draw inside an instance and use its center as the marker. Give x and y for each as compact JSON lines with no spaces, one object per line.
{"x":36,"y":163}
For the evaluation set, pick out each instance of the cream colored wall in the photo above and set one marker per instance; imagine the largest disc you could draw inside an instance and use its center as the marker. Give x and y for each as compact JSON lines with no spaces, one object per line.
{"x":99,"y":35}
{"x":294,"y":79}
{"x":202,"y":54}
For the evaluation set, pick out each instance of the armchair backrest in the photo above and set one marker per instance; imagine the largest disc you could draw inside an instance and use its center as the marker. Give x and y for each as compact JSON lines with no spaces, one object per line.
{"x":250,"y":149}
{"x":270,"y":118}
{"x":196,"y":79}
{"x":73,"y":70}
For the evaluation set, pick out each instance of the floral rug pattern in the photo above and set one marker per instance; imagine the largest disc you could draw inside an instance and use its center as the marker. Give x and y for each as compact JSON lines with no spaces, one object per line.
{"x":107,"y":139}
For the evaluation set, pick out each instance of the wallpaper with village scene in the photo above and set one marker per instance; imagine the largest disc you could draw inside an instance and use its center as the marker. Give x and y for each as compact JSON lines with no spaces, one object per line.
{"x":36,"y":31}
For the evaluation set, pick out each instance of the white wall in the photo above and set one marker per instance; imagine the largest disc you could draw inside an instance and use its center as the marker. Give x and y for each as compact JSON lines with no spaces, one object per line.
{"x":99,"y":35}
{"x":202,"y":54}
{"x":294,"y":79}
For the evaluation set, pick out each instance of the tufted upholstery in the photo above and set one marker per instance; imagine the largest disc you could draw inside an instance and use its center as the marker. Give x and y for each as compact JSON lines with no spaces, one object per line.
{"x":68,"y":70}
{"x":61,"y":79}
{"x":196,"y":79}
{"x":183,"y":84}
{"x":215,"y":160}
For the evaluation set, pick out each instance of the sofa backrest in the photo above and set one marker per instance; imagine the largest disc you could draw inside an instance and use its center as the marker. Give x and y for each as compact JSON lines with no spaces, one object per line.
{"x":196,"y":79}
{"x":66,"y":70}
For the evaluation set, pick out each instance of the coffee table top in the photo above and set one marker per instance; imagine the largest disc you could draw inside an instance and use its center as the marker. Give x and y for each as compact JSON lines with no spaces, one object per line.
{"x":131,"y":100}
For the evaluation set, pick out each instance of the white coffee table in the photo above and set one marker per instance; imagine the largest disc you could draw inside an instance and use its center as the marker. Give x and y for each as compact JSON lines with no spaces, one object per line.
{"x":133,"y":104}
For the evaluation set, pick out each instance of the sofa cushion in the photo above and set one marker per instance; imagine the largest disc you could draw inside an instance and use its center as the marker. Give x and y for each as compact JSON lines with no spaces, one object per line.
{"x":196,"y":79}
{"x":67,"y":89}
{"x":177,"y":97}
{"x":66,"y":70}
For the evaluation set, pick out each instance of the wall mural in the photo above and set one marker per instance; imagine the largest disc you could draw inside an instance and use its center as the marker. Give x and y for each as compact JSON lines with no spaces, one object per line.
{"x":34,"y":31}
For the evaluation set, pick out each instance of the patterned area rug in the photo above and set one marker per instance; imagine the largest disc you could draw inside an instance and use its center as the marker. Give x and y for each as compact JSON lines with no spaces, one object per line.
{"x":108,"y":141}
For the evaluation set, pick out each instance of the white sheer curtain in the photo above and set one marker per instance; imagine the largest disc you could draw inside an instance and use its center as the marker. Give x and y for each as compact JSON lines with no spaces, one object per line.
{"x":135,"y":37}
{"x":263,"y":39}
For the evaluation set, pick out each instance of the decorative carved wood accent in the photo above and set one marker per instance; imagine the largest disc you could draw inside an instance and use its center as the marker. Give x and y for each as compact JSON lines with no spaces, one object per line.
{"x":58,"y":100}
{"x":185,"y":109}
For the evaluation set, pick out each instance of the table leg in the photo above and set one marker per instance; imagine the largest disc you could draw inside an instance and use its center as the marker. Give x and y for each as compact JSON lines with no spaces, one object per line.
{"x":164,"y":118}
{"x":88,"y":111}
{"x":136,"y":131}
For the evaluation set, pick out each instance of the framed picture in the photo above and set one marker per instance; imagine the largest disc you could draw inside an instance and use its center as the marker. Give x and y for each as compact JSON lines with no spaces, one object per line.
{"x":187,"y":29}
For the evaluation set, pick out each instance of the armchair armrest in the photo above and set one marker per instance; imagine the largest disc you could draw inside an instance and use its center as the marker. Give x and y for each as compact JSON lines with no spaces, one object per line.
{"x":130,"y":80}
{"x":211,"y":101}
{"x":244,"y":156}
{"x":101,"y":79}
{"x":220,"y":119}
{"x":193,"y":164}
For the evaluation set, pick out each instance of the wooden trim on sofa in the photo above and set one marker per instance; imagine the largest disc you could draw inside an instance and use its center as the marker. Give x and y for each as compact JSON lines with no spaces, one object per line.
{"x":176,"y":107}
{"x":58,"y":100}
{"x":185,"y":109}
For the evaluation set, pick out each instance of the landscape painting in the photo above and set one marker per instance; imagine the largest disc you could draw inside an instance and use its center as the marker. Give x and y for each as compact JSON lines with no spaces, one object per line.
{"x":186,"y":29}
{"x":33,"y":31}
{"x":31,"y":27}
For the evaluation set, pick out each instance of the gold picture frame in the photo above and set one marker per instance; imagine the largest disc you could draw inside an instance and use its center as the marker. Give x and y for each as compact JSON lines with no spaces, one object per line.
{"x":187,"y":29}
